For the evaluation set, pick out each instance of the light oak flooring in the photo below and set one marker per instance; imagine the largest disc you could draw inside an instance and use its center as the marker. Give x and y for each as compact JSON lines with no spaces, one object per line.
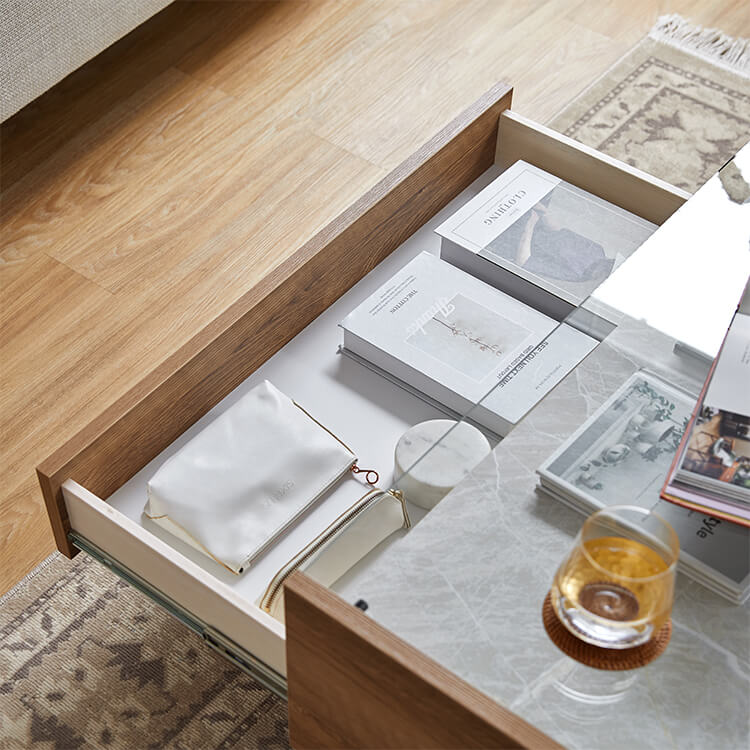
{"x":151,"y":187}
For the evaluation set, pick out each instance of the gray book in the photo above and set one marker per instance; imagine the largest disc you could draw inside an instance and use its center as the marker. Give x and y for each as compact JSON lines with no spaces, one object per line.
{"x":541,"y":239}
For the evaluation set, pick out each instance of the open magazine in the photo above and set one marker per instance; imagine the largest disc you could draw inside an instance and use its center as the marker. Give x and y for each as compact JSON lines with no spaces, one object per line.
{"x":711,"y":470}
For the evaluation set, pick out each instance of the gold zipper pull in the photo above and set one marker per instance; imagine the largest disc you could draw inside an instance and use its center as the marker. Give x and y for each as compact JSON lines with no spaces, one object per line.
{"x":369,"y":473}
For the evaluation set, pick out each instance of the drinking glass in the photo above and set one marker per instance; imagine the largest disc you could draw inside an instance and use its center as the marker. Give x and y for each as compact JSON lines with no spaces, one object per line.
{"x":615,"y":587}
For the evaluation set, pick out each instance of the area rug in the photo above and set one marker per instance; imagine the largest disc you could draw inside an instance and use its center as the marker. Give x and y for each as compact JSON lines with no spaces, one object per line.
{"x":88,"y":662}
{"x":677,"y":105}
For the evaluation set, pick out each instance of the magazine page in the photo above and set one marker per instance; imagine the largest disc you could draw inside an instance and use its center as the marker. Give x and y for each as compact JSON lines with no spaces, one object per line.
{"x":621,"y":454}
{"x":729,"y":389}
{"x":717,"y":456}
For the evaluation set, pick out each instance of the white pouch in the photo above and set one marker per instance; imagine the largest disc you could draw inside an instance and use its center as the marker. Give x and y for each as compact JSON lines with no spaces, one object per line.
{"x":359,"y":529}
{"x":245,"y":477}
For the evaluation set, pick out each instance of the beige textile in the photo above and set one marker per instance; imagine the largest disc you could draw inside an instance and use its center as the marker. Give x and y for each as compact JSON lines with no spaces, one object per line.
{"x":87,"y":661}
{"x":41,"y":41}
{"x":663,"y":110}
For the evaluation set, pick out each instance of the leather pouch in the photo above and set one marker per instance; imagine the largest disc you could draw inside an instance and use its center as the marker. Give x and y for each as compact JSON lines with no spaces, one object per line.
{"x":247,"y":476}
{"x":357,"y":531}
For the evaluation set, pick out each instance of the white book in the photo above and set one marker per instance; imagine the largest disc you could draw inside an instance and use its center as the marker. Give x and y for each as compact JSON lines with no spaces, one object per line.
{"x":541,"y":239}
{"x":620,"y":456}
{"x":459,"y":341}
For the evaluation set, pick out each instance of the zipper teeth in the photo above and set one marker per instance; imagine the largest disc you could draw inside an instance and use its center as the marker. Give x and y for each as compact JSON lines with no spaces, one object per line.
{"x":268,"y":599}
{"x":288,"y":523}
{"x":323,"y":427}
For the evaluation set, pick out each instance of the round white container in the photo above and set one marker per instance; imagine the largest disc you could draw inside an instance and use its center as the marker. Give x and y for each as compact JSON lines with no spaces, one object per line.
{"x":436,"y":473}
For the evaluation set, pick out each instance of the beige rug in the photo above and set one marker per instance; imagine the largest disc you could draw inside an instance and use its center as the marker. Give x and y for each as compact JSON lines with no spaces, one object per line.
{"x":87,"y":662}
{"x":678,"y":110}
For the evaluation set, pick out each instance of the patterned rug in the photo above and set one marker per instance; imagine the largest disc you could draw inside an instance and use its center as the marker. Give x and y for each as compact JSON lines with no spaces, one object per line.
{"x":88,"y":662}
{"x":676,"y":113}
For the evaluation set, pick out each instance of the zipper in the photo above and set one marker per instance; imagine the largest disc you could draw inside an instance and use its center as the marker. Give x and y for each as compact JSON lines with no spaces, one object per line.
{"x":277,"y":583}
{"x":371,"y":476}
{"x":274,"y":537}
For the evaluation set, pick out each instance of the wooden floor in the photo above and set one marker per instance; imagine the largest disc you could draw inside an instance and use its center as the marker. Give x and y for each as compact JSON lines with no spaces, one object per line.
{"x":150,"y":188}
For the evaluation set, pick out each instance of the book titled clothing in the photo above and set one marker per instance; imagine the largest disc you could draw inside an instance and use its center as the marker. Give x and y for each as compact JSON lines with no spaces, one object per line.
{"x":541,"y":239}
{"x":460,"y":342}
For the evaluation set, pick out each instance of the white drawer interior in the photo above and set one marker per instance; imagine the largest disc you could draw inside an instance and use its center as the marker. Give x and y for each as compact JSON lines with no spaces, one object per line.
{"x":360,"y":406}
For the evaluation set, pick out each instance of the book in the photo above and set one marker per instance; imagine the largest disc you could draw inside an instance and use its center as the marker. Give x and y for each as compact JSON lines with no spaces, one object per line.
{"x":619,"y":456}
{"x":711,"y":470}
{"x":461,"y":342}
{"x":540,"y":239}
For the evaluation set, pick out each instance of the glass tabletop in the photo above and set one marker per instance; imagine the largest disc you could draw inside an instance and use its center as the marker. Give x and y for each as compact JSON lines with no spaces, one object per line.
{"x":466,"y":585}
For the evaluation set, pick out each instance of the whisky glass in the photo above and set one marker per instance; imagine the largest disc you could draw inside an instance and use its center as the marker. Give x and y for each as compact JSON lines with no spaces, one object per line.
{"x":616,"y":586}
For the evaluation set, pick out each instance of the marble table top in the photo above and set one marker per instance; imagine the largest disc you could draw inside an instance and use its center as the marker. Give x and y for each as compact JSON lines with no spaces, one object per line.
{"x":466,"y":587}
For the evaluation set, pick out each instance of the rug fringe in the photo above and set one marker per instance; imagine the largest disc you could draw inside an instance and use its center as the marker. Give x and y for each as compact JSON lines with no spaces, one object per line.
{"x":711,"y":44}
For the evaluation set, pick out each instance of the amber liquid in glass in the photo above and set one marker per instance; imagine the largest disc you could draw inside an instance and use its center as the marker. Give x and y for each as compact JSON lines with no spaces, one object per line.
{"x":618,"y":581}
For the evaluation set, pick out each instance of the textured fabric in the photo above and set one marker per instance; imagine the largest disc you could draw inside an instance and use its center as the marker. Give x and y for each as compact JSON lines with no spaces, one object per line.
{"x":41,"y":41}
{"x":666,"y":111}
{"x":86,"y":661}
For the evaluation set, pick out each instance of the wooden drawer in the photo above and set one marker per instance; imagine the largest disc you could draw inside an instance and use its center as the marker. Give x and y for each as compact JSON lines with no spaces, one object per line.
{"x":80,"y":478}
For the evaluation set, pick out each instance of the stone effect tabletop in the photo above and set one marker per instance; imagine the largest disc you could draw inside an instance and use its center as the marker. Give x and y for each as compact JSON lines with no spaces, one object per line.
{"x":466,"y":587}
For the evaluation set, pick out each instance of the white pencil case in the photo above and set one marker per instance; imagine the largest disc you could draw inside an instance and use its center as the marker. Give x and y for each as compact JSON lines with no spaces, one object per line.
{"x":357,"y":531}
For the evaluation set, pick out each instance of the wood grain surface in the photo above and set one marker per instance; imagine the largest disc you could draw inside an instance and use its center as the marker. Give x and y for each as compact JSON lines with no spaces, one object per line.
{"x":352,"y":683}
{"x":148,"y":191}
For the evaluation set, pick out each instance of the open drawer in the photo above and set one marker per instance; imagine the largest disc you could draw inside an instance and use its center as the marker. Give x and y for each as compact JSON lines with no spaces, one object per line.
{"x":94,"y":485}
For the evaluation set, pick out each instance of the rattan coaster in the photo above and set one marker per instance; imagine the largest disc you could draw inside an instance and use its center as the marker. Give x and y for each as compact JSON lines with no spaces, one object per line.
{"x":602,"y":658}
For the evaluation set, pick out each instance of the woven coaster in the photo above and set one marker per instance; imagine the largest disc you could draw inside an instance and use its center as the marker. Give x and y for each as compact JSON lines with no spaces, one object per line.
{"x":602,"y":658}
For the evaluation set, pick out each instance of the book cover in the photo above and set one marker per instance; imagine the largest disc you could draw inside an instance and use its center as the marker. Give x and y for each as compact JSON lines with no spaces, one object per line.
{"x":558,"y":241}
{"x":620,"y":456}
{"x":455,"y":339}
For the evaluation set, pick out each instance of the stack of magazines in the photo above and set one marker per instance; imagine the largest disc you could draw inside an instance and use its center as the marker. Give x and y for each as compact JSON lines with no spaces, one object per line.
{"x":621,"y":454}
{"x":711,"y":470}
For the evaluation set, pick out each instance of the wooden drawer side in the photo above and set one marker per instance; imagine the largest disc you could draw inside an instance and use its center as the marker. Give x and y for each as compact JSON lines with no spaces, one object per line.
{"x":152,"y":414}
{"x":196,"y":591}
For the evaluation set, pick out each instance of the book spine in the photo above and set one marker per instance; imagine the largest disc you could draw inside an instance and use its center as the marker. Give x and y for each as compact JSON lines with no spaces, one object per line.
{"x":668,"y":494}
